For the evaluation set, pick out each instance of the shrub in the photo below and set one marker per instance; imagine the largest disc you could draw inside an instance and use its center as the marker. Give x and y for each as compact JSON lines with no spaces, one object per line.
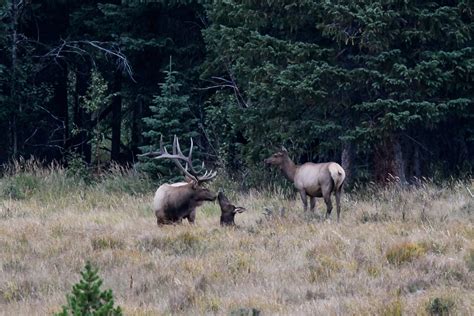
{"x":404,"y":252}
{"x":440,"y":306}
{"x":88,"y":299}
{"x":77,"y":168}
{"x":20,"y":186}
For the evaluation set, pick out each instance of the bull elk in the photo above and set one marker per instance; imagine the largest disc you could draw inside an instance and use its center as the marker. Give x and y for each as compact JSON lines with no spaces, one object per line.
{"x":173,"y":202}
{"x":312,"y":179}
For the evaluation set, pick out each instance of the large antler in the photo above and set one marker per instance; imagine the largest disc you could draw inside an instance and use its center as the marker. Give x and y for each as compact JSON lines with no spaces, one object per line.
{"x":178,"y":156}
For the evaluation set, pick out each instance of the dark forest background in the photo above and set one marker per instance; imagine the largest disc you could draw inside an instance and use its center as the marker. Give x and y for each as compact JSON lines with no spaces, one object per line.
{"x":384,"y":87}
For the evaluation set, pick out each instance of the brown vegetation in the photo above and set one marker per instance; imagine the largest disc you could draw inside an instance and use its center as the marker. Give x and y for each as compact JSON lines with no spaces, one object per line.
{"x":395,"y":251}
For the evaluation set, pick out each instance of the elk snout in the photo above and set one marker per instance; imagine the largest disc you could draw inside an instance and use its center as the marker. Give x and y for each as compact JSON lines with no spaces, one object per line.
{"x":268,"y":161}
{"x":212,"y":196}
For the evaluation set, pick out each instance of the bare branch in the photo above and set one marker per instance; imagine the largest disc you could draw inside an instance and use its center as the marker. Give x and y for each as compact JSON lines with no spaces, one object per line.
{"x":221,"y":82}
{"x":77,"y":47}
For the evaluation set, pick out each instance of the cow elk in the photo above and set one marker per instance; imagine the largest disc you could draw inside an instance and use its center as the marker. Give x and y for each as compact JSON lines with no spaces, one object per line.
{"x":173,"y":202}
{"x":228,"y":210}
{"x":312,"y":179}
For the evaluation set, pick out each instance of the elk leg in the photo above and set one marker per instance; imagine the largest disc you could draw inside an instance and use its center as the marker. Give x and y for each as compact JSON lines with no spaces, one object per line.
{"x":303,"y":198}
{"x":160,"y":219}
{"x":327,"y":200}
{"x":312,"y":203}
{"x":338,"y":203}
{"x":191,"y":217}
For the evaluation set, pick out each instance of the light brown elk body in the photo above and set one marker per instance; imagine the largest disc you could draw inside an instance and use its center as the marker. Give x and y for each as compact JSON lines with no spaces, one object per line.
{"x":173,"y":202}
{"x":312,"y":180}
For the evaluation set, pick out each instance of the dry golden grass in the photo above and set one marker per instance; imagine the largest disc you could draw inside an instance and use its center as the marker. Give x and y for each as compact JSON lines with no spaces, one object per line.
{"x":394,"y":252}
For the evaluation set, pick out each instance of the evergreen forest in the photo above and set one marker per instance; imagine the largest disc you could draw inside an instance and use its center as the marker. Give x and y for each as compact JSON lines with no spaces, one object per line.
{"x":384,"y":87}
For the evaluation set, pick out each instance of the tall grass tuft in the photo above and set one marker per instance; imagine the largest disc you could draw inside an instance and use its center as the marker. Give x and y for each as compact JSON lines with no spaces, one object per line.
{"x":26,"y":179}
{"x":124,"y":180}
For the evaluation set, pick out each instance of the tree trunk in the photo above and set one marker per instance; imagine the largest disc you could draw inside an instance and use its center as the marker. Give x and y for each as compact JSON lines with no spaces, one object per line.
{"x":389,"y":162}
{"x":116,"y":116}
{"x":14,"y":14}
{"x":399,"y":163}
{"x":346,"y":160}
{"x":60,"y":101}
{"x":81,"y":118}
{"x":416,"y":162}
{"x":136,"y":127}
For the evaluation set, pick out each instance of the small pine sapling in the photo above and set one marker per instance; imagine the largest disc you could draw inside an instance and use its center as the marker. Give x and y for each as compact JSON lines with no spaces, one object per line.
{"x":87,"y":298}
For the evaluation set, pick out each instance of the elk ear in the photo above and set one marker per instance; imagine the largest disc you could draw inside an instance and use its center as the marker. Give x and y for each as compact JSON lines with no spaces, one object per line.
{"x":239,"y":209}
{"x":223,"y":200}
{"x":283,"y":149}
{"x":194,"y":183}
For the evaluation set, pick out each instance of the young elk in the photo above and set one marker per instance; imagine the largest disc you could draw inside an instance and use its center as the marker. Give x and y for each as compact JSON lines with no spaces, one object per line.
{"x":176,"y":201}
{"x":228,"y":210}
{"x":312,"y":179}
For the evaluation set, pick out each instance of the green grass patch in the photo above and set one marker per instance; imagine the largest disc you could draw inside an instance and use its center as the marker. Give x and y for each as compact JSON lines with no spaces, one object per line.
{"x":440,"y":306}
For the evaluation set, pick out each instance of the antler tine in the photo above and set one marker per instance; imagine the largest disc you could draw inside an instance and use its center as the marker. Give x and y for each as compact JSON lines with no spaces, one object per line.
{"x":176,"y":148}
{"x":208,"y":175}
{"x":177,"y":152}
{"x":188,"y":159}
{"x":158,"y":153}
{"x":175,"y":157}
{"x":178,"y":155}
{"x":190,"y":155}
{"x":162,"y":148}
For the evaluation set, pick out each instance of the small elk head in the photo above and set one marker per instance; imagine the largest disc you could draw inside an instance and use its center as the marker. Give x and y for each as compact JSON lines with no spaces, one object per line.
{"x":228,"y":210}
{"x":192,"y":176}
{"x":278,"y":158}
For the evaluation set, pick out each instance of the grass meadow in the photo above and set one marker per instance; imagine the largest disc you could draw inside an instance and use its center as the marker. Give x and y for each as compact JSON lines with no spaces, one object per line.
{"x":395,"y":252}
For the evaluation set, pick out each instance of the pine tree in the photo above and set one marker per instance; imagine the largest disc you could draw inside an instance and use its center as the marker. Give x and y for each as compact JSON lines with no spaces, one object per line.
{"x":171,"y":115}
{"x":320,"y":75}
{"x":87,"y":299}
{"x":147,"y":32}
{"x":289,"y":89}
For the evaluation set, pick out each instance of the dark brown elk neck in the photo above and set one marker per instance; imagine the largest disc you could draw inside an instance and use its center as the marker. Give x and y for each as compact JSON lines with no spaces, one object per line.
{"x":288,"y":168}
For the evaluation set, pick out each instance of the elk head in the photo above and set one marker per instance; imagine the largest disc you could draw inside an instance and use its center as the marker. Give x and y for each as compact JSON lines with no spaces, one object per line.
{"x":278,"y":158}
{"x":228,"y":210}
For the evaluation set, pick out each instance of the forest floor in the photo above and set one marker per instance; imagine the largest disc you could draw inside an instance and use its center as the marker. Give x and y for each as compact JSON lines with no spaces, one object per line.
{"x":394,"y":252}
